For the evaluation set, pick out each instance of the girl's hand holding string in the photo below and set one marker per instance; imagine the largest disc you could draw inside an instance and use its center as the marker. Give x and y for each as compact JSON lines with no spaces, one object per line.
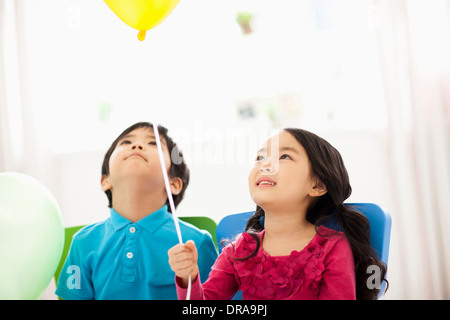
{"x":183,"y":261}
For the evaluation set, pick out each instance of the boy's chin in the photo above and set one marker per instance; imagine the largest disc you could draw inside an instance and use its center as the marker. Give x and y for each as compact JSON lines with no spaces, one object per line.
{"x":143,"y":178}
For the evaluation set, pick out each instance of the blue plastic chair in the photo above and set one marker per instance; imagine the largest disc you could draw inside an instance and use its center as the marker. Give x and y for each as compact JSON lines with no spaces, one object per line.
{"x":380,"y":230}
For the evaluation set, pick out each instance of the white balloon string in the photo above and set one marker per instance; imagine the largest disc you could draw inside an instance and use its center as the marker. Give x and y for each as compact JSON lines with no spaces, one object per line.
{"x":169,"y":196}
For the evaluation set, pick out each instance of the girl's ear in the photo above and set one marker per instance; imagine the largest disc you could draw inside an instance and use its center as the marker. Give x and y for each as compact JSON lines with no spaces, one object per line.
{"x":176,"y":184}
{"x":318,"y":189}
{"x":104,"y":182}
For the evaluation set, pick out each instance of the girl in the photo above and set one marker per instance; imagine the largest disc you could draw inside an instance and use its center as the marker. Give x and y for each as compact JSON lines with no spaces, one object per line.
{"x":286,"y":252}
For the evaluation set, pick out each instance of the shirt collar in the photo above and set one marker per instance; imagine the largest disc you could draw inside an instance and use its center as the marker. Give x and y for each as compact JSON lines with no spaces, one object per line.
{"x":118,"y":221}
{"x":151,"y":222}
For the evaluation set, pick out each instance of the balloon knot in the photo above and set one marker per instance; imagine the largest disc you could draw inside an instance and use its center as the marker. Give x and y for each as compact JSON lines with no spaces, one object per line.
{"x":141,"y":35}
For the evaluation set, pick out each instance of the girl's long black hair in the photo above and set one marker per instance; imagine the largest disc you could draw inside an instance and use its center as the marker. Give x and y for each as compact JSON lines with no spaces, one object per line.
{"x":327,"y":165}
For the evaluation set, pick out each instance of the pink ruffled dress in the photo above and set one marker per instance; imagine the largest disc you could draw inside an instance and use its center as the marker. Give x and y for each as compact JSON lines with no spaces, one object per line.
{"x":324,"y":269}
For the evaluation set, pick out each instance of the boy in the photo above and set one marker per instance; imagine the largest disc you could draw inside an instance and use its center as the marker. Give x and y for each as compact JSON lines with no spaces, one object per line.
{"x":125,"y":256}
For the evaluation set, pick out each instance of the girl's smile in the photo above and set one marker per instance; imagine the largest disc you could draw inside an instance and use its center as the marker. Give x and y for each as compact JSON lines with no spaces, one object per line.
{"x":265,"y":182}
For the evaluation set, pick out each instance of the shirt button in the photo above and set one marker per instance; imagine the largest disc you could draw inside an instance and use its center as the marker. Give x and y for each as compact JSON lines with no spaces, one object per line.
{"x":129,"y":255}
{"x":132,"y":229}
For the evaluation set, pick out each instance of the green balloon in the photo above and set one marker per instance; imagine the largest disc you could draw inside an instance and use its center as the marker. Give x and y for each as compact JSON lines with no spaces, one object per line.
{"x":31,"y":236}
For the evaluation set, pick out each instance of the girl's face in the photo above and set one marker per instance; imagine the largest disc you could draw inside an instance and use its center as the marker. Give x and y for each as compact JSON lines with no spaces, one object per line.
{"x":281,"y":176}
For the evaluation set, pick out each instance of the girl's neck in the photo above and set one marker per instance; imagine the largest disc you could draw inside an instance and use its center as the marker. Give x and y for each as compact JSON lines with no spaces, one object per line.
{"x":285,"y":232}
{"x":285,"y":227}
{"x":283,"y":223}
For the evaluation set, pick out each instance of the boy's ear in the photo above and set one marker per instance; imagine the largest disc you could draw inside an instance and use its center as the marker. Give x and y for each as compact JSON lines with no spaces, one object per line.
{"x":318,"y":189}
{"x":176,"y":184}
{"x":106,"y":185}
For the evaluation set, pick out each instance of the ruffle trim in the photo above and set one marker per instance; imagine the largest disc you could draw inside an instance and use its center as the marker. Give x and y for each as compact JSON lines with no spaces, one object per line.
{"x":270,"y":277}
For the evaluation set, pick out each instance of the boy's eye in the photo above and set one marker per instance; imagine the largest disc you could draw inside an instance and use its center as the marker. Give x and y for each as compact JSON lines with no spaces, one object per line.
{"x":125,"y":142}
{"x":285,"y":156}
{"x":153,"y":143}
{"x":259,"y":158}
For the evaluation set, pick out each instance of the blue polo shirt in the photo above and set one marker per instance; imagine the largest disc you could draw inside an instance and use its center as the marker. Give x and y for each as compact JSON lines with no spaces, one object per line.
{"x":119,"y":259}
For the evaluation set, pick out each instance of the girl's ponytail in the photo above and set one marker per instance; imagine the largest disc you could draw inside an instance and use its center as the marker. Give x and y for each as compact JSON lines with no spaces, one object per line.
{"x":356,"y":228}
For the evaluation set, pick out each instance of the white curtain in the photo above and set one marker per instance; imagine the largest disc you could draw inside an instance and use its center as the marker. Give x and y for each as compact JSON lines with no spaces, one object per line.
{"x":11,"y":143}
{"x":20,"y":146}
{"x":414,"y":44}
{"x":4,"y":132}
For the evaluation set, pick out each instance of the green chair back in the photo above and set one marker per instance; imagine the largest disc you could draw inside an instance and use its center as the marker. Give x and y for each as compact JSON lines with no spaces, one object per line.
{"x":203,"y":223}
{"x":69,"y":232}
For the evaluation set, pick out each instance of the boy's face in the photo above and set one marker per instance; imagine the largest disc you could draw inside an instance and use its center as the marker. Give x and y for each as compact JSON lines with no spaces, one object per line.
{"x":135,"y":160}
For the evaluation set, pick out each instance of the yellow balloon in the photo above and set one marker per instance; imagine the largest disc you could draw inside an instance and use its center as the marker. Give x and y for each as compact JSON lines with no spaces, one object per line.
{"x":142,"y":14}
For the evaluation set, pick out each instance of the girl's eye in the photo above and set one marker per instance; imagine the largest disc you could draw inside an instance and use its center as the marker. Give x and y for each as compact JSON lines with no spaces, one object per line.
{"x":259,"y":158}
{"x":285,"y":156}
{"x":125,"y":142}
{"x":153,"y":143}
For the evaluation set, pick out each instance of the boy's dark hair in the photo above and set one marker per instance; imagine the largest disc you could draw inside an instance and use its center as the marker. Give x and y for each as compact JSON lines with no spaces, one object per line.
{"x":179,"y":170}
